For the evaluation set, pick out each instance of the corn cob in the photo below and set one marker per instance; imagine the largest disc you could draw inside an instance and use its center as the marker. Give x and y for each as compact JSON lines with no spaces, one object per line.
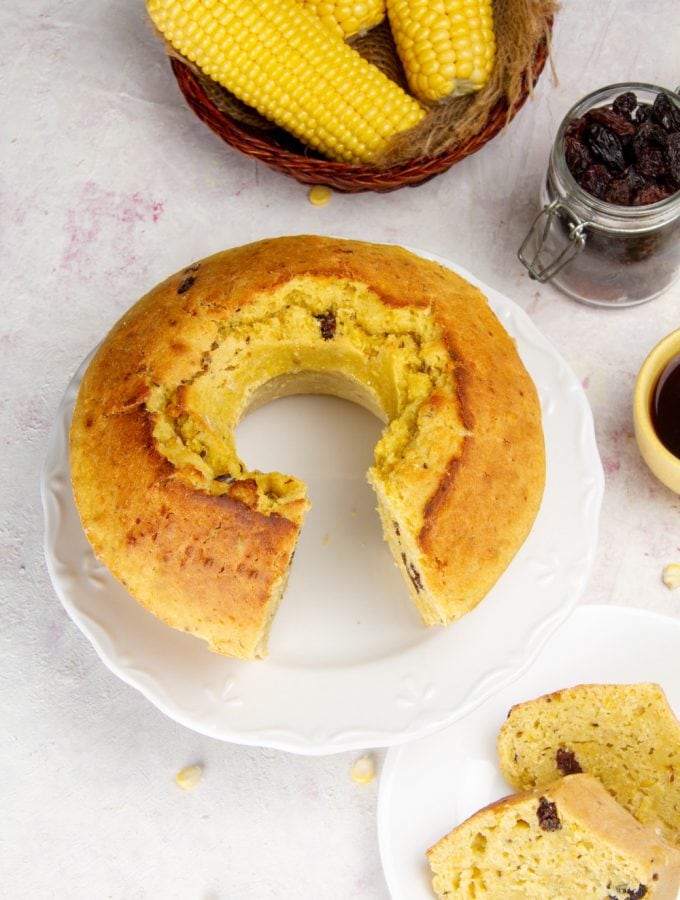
{"x":350,"y":17}
{"x":278,"y":57}
{"x":447,"y":47}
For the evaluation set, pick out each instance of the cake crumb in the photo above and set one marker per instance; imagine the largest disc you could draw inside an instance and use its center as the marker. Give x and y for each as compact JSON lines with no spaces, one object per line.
{"x":189,"y":777}
{"x":319,"y":195}
{"x":363,"y":770}
{"x":326,"y":538}
{"x":671,"y":575}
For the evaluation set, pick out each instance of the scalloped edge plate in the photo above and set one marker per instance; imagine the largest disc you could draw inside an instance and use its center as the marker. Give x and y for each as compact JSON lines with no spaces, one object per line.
{"x":350,"y":666}
{"x":429,"y":787}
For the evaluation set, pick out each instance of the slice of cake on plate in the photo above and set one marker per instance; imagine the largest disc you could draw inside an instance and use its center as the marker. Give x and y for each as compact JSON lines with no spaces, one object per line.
{"x":626,"y":735}
{"x":566,"y":841}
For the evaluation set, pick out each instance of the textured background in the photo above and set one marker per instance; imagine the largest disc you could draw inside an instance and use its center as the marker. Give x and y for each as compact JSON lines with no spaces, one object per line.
{"x":108,"y":183}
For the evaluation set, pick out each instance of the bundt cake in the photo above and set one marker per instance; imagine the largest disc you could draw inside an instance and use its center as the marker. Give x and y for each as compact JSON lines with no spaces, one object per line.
{"x":203,"y":541}
{"x":567,"y":841}
{"x":626,"y":735}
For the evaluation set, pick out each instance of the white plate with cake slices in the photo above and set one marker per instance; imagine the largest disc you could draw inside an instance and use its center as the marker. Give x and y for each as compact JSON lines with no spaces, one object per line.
{"x":350,"y":665}
{"x":430,"y":786}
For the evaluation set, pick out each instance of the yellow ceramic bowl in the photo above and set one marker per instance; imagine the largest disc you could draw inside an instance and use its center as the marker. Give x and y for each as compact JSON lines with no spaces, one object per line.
{"x":660,"y":460}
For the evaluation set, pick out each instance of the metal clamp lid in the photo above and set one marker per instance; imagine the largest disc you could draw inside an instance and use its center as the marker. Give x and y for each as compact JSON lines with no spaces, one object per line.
{"x":576,"y":233}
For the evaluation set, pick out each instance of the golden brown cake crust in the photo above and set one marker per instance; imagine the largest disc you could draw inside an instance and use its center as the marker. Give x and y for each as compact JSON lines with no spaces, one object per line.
{"x":209,"y":564}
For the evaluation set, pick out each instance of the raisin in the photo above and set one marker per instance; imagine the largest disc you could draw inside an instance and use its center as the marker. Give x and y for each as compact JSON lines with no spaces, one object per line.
{"x":596,"y":180}
{"x":642,"y":113}
{"x":327,"y":324}
{"x":673,"y":157}
{"x":567,"y":762}
{"x":548,"y":819}
{"x":606,"y":146}
{"x":624,"y":104}
{"x":575,"y":128}
{"x":651,"y":193}
{"x":629,"y":893}
{"x":186,"y":284}
{"x":635,"y":181}
{"x":648,"y":135}
{"x":615,"y":122}
{"x":651,"y":161}
{"x":413,"y":574}
{"x":226,"y":479}
{"x":666,"y":113}
{"x":577,"y":155}
{"x":619,"y":192}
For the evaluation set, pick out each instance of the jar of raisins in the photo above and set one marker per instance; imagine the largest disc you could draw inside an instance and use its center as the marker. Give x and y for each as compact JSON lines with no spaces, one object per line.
{"x":609,"y":230}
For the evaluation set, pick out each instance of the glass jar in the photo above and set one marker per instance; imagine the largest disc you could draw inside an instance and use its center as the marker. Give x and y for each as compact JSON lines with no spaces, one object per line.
{"x":600,"y":253}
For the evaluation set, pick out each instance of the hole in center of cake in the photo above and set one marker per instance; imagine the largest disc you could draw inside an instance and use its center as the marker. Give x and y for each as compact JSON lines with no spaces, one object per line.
{"x":345,"y":602}
{"x":333,"y":338}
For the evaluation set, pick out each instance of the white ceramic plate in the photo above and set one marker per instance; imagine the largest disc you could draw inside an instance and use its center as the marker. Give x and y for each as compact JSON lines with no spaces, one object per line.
{"x":428,"y":787}
{"x":350,"y":666}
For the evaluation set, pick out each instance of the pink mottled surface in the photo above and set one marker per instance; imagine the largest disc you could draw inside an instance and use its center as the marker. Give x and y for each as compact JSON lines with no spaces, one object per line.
{"x":108,"y":183}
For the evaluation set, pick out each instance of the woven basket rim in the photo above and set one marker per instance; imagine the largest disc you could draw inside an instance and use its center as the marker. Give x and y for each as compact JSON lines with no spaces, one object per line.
{"x":307,"y":168}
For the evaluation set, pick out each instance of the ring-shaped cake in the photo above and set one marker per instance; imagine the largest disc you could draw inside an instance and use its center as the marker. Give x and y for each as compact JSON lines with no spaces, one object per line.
{"x":204,"y":542}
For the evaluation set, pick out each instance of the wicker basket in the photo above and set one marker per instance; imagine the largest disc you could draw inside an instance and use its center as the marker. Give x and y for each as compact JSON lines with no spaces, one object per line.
{"x":278,"y":150}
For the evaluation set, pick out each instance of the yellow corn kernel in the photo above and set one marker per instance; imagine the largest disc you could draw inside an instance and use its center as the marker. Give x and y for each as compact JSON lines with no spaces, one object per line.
{"x":447,"y":47}
{"x":319,"y":195}
{"x":279,"y":58}
{"x":363,"y":770}
{"x":188,"y":778}
{"x":349,"y":17}
{"x":671,"y":575}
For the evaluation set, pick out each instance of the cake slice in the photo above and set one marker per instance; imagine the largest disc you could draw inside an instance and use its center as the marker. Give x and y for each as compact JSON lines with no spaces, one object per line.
{"x":626,"y":735}
{"x":568,"y":841}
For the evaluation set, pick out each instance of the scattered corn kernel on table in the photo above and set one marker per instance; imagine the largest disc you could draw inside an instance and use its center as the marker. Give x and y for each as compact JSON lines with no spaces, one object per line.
{"x":109,"y":184}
